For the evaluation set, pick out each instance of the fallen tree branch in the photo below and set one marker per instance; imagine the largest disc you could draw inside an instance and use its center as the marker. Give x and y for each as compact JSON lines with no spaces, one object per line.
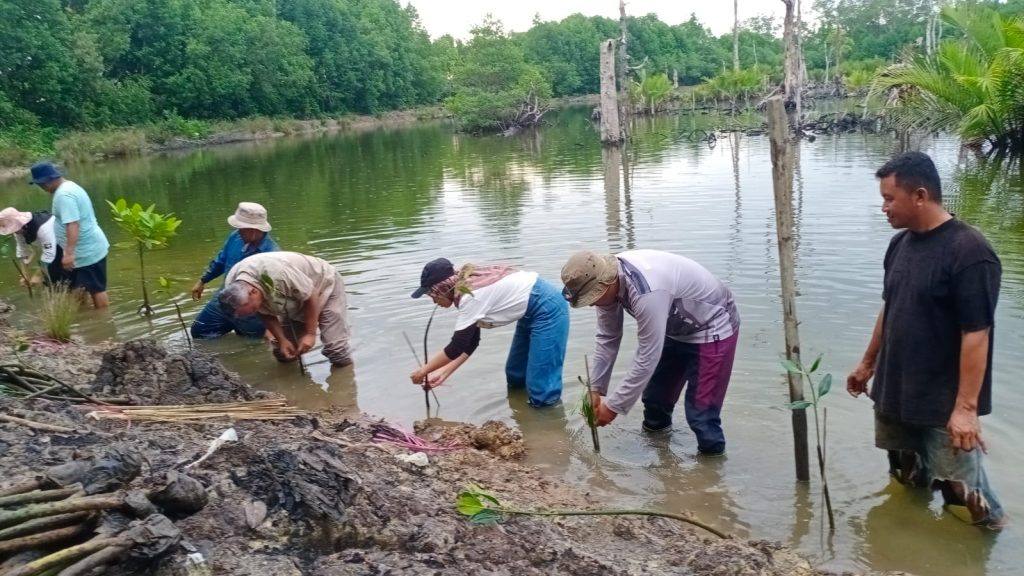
{"x":43,"y":539}
{"x":64,"y":556}
{"x":37,"y":425}
{"x":95,"y":560}
{"x":40,"y":524}
{"x":37,"y":496}
{"x":99,"y":502}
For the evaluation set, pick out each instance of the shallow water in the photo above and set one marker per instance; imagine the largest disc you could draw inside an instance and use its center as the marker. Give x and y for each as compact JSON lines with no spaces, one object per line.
{"x":380,"y":204}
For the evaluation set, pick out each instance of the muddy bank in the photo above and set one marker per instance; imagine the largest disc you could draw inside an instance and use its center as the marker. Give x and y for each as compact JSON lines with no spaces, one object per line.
{"x":316,"y":494}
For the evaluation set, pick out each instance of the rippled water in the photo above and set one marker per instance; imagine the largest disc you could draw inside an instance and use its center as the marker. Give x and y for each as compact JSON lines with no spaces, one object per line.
{"x":380,"y":204}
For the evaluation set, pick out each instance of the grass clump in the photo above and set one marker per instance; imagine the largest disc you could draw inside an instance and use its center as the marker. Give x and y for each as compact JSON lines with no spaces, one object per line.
{"x":59,"y":307}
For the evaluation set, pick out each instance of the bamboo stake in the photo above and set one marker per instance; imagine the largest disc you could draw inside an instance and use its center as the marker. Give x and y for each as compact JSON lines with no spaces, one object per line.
{"x":44,"y":523}
{"x":426,"y":358}
{"x":37,"y":496}
{"x":28,"y":283}
{"x":64,"y":556}
{"x":184,"y":330}
{"x":42,"y":539}
{"x":782,"y":180}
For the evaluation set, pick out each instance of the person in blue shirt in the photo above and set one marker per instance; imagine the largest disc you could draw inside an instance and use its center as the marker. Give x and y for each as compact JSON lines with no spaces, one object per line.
{"x":252,"y":236}
{"x":81,"y":258}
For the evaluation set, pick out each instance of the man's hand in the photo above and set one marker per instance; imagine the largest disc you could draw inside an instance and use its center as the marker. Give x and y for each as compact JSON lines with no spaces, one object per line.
{"x":68,"y":261}
{"x":306,"y":343}
{"x":965,"y":430}
{"x":287,"y":349}
{"x":436,"y":378}
{"x":417,"y":377}
{"x":604,"y":414}
{"x":197,"y":290}
{"x":857,"y":381}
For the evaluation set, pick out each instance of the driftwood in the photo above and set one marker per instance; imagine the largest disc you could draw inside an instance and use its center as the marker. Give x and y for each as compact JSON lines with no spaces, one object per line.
{"x":36,"y":425}
{"x":530,"y":113}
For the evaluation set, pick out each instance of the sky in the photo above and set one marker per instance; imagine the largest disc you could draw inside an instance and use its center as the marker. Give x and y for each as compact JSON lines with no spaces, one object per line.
{"x":456,"y":17}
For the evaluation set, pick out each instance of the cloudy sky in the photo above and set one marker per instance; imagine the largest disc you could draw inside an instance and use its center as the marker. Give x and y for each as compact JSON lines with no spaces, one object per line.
{"x":456,"y":17}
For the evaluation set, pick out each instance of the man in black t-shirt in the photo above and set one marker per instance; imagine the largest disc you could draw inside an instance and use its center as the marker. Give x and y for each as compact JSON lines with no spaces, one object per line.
{"x":931,"y":349}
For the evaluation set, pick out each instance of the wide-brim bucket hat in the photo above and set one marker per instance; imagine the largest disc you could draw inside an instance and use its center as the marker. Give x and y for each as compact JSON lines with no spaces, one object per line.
{"x":250,"y":215}
{"x":587,"y":275}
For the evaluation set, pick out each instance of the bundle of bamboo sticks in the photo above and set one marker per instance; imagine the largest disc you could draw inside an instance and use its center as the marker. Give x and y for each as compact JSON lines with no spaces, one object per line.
{"x":274,"y":409}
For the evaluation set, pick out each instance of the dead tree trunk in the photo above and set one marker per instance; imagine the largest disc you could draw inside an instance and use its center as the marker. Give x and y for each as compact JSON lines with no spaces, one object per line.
{"x":611,"y":132}
{"x":736,"y":35}
{"x":792,"y":84}
{"x":620,"y":73}
{"x":782,"y":181}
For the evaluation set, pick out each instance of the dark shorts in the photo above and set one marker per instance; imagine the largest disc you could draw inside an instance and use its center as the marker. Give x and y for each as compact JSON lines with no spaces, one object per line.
{"x":91,"y":278}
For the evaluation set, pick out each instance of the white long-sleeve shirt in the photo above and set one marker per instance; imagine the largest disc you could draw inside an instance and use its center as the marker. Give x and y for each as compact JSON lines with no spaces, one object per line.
{"x":669,"y":296}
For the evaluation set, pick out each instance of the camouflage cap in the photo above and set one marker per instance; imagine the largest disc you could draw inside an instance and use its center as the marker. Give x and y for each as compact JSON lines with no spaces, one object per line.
{"x":586,"y":276}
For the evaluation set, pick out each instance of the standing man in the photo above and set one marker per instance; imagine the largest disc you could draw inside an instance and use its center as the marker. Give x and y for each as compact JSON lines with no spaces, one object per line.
{"x":293,"y":294}
{"x":251,"y":236}
{"x":687,"y":327}
{"x":931,"y":349}
{"x":81,"y":258}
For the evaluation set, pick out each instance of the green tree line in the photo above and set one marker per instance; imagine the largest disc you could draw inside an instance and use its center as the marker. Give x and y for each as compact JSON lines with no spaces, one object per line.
{"x":94,"y":64}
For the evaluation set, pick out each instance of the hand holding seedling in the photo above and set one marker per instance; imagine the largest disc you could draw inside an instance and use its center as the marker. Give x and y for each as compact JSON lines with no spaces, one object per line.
{"x":306,"y":343}
{"x":288,"y":349}
{"x":605,"y":415}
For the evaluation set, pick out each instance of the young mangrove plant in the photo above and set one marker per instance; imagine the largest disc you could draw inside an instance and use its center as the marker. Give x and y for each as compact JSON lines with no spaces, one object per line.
{"x":58,"y":311}
{"x":482,"y":507}
{"x":587,"y":407}
{"x":149,"y":230}
{"x":818,"y":391}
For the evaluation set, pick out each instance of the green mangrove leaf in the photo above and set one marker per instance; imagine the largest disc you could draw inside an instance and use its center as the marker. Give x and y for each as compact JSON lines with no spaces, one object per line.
{"x":164,"y":282}
{"x":791,"y":366}
{"x":814,"y":366}
{"x":799,"y":404}
{"x":825,"y":385}
{"x":469,"y":504}
{"x":486,"y":516}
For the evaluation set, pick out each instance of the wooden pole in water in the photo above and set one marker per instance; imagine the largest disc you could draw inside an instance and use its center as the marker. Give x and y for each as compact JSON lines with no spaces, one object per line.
{"x":782,"y":181}
{"x":610,"y":131}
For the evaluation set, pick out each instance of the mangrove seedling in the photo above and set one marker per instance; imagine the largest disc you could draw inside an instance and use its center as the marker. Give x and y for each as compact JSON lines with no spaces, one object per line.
{"x":482,"y":507}
{"x":149,"y":230}
{"x":587,"y":407}
{"x":5,"y":250}
{"x":267,"y":283}
{"x":818,"y":391}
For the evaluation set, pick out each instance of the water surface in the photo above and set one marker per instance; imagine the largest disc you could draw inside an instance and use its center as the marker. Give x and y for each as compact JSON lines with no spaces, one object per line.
{"x":380,"y":204}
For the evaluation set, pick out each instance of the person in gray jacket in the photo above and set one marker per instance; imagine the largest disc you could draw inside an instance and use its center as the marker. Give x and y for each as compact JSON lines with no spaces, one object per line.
{"x":687,"y":327}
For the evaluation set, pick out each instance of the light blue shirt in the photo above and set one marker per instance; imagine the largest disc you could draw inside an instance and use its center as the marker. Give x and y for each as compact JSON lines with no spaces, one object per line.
{"x":72,"y":204}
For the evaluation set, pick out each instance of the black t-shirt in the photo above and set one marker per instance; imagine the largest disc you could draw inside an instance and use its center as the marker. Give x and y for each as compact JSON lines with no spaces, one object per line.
{"x":938,"y":284}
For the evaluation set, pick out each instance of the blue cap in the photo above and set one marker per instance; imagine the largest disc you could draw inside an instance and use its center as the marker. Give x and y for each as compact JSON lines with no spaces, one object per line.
{"x":435,"y":271}
{"x":44,"y":172}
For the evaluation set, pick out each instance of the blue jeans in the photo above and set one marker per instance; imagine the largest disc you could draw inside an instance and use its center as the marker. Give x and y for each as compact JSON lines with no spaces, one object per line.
{"x":212,"y":322}
{"x":923,"y":456}
{"x":538,"y":348}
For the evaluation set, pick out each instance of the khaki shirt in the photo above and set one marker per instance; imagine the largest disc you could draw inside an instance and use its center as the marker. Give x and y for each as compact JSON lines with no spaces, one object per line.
{"x":286,"y":280}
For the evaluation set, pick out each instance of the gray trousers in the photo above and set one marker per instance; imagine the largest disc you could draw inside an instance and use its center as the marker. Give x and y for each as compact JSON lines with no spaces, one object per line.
{"x":334,"y":329}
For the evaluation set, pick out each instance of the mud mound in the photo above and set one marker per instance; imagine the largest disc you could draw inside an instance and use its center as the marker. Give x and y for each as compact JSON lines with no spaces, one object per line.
{"x":146,"y":373}
{"x":493,"y":436}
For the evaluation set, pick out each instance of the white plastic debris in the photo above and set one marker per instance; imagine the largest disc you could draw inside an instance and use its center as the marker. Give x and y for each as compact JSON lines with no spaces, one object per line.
{"x":418,"y":459}
{"x":228,"y":435}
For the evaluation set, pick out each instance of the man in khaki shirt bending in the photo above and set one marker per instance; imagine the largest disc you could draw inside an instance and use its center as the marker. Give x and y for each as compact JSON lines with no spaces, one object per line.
{"x":294,"y":294}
